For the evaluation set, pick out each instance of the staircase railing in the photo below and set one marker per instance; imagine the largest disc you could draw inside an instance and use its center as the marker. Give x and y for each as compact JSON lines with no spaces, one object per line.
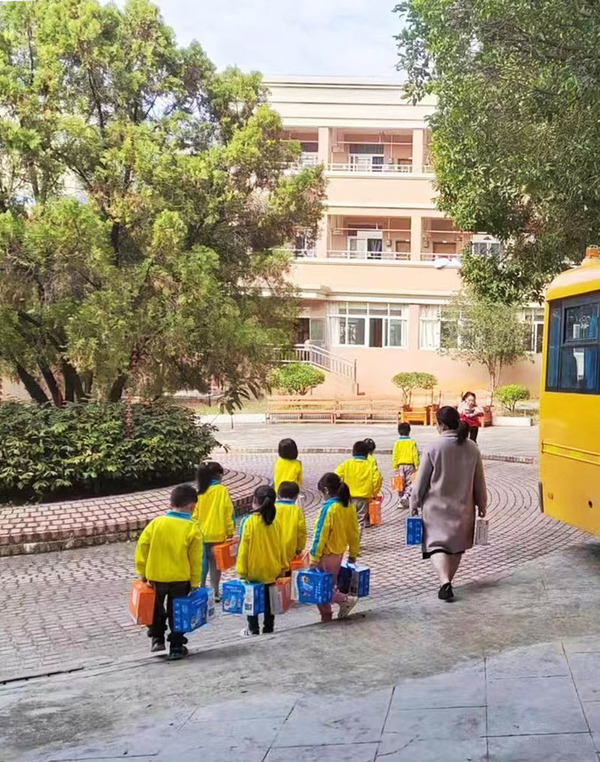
{"x":320,"y":358}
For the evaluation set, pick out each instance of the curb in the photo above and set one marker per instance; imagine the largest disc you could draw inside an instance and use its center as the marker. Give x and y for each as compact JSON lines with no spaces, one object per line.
{"x":528,"y":460}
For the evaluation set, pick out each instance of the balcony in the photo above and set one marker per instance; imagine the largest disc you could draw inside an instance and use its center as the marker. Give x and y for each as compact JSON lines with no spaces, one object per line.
{"x":375,"y":256}
{"x":370,"y":169}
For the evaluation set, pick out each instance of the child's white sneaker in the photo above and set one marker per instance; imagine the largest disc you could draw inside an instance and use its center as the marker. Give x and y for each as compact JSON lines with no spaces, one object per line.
{"x":245,"y":633}
{"x":346,"y":608}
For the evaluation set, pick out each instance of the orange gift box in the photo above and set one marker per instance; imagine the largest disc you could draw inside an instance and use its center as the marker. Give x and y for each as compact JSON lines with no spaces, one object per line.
{"x":141,"y":602}
{"x":375,"y":513}
{"x":398,"y":483}
{"x":225,"y":553}
{"x":300,"y":562}
{"x":280,"y":594}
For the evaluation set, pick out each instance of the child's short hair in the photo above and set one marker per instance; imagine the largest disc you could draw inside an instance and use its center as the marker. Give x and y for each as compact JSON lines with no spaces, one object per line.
{"x":183,"y":496}
{"x":360,"y":449}
{"x":404,"y":429}
{"x":288,"y":490}
{"x":370,"y":444}
{"x":288,"y":449}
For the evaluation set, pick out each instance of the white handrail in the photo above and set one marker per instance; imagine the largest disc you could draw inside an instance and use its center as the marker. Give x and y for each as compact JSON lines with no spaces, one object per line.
{"x":373,"y":169}
{"x":371,"y":255}
{"x":320,"y":358}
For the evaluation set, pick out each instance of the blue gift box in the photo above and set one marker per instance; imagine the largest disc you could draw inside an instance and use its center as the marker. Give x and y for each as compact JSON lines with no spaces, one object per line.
{"x":354,"y":579}
{"x":414,"y":530}
{"x":312,"y":586}
{"x":190,"y":613}
{"x":243,"y":598}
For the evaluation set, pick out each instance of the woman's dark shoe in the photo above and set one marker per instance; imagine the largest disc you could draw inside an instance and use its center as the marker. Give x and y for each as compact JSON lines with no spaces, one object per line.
{"x":446,"y":593}
{"x":177,"y":652}
{"x":158,"y":644}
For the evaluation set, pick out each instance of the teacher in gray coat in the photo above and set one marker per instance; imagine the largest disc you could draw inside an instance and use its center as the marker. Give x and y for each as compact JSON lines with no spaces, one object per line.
{"x":449,"y":488}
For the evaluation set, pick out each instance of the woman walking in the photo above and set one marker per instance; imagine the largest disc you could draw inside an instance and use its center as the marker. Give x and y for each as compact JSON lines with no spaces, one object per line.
{"x":449,"y":487}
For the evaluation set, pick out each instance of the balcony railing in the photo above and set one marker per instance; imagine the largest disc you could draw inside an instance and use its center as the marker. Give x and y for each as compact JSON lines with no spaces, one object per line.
{"x":372,"y":169}
{"x":371,"y":255}
{"x":304,"y":162}
{"x":301,"y":253}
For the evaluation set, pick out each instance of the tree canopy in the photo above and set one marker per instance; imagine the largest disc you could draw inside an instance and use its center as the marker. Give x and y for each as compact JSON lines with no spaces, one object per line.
{"x":143,"y":200}
{"x":488,"y":333}
{"x":516,"y":135}
{"x":296,"y":378}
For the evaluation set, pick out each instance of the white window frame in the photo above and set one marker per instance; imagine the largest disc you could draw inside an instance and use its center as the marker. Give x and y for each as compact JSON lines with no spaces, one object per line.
{"x":535,"y":319}
{"x":343,"y":312}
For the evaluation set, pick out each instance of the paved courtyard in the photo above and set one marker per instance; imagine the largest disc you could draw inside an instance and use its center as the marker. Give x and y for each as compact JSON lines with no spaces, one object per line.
{"x":509,"y":673}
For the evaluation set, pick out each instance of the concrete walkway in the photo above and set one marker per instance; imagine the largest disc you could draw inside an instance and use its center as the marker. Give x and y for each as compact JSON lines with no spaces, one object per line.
{"x":521,"y":442}
{"x":508,"y":673}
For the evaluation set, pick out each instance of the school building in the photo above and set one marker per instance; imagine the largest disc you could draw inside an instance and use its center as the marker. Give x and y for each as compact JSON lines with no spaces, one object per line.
{"x":385,"y":259}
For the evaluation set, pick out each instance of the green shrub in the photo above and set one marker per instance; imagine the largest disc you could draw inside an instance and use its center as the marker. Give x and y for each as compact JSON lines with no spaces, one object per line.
{"x":82,"y":450}
{"x":408,"y":382}
{"x":296,"y":378}
{"x":509,"y":395}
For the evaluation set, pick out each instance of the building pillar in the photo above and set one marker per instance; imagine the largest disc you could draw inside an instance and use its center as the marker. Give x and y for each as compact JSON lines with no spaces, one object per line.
{"x":416,"y":232}
{"x":414,"y":316}
{"x":322,"y":242}
{"x":324,"y":145}
{"x":418,"y":141}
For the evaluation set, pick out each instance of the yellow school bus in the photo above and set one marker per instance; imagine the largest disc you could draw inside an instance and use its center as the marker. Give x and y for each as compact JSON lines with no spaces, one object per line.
{"x":570,"y":398}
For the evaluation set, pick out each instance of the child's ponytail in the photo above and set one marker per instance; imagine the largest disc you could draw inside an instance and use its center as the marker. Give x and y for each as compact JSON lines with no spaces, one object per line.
{"x":264,"y":501}
{"x":206,"y":473}
{"x":331,"y":485}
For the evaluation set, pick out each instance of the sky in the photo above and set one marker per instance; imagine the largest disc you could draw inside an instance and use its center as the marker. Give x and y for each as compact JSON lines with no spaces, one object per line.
{"x":291,"y":37}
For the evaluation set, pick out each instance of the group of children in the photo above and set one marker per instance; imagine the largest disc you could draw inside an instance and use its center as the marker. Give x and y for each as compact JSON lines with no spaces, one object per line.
{"x":175,"y":552}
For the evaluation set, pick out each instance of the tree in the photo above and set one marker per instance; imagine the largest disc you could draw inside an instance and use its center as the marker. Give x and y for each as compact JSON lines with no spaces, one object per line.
{"x":510,"y":394}
{"x":489,"y":333}
{"x":296,"y":378}
{"x":516,"y":134}
{"x":142,"y":203}
{"x":407,"y":382}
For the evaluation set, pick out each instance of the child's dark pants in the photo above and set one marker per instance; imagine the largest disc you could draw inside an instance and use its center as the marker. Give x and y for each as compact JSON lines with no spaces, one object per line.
{"x":168,"y":591}
{"x":269,"y":622}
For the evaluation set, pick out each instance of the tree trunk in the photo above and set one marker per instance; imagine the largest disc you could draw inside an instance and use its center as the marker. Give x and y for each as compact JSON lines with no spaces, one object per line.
{"x":52,"y":384}
{"x":34,"y":390}
{"x":116,"y":390}
{"x":73,"y":383}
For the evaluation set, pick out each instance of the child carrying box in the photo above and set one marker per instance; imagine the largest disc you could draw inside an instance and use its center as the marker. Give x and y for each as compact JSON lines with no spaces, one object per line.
{"x":373,"y":461}
{"x":336,"y":531}
{"x":214,"y":512}
{"x":169,"y":556}
{"x":363,"y":479}
{"x":261,"y":558}
{"x":405,"y":462}
{"x":290,"y":520}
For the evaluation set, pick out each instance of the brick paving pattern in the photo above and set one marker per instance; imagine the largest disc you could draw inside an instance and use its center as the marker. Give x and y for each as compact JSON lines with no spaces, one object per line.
{"x":67,"y":609}
{"x":79,"y":523}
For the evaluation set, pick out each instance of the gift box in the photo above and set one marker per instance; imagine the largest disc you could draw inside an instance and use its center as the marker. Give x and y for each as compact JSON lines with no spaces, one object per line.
{"x":375,"y":512}
{"x":354,"y":579}
{"x":300,"y":562}
{"x":239,"y":597}
{"x":482,"y":532}
{"x":141,"y":602}
{"x":414,"y":530}
{"x":280,"y":595}
{"x":398,"y":483}
{"x":225,"y":553}
{"x":191,"y":612}
{"x":312,"y":586}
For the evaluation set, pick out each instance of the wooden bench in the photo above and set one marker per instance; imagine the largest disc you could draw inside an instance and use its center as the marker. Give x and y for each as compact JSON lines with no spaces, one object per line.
{"x":365,"y":410}
{"x":409,"y":414}
{"x":301,"y":410}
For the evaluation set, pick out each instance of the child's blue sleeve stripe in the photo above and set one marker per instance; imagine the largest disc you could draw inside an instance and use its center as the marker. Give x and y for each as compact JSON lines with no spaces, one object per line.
{"x":319,"y":530}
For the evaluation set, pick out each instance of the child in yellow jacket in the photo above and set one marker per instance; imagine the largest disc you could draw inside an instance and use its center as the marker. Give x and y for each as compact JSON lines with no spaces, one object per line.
{"x":405,"y":462}
{"x":291,"y":520}
{"x":215,"y":514}
{"x":169,"y":556}
{"x":363,"y":479}
{"x":336,"y":531}
{"x":261,"y":556}
{"x":287,"y":467}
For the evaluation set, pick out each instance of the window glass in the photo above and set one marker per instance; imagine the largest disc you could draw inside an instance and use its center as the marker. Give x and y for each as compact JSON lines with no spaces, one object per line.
{"x":357,"y":308}
{"x":356,"y":331}
{"x":581,"y":323}
{"x":579,"y":368}
{"x":554,"y":348}
{"x":397,"y":332}
{"x":376,"y":332}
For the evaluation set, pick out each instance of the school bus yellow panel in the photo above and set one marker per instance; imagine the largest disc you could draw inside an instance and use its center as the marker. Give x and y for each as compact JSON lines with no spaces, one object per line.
{"x":570,"y":398}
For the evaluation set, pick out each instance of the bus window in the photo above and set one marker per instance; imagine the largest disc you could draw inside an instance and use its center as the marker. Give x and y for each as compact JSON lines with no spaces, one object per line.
{"x":581,"y":323}
{"x":553,"y":373}
{"x":579,"y":369}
